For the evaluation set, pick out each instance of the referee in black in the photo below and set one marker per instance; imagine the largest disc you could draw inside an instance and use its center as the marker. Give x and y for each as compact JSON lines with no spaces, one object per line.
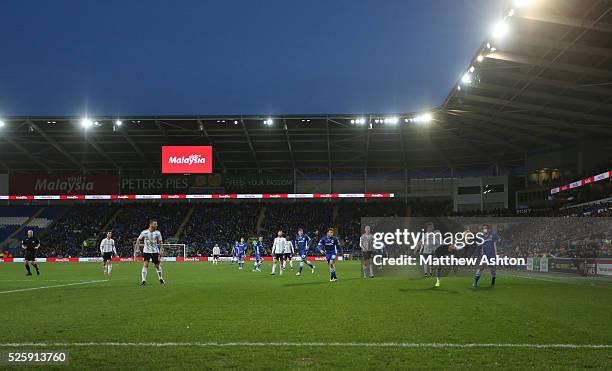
{"x":31,"y":244}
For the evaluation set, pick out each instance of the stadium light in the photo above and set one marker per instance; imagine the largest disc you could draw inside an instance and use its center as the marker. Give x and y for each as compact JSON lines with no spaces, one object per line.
{"x":86,"y":123}
{"x":500,"y":29}
{"x":480,"y":58}
{"x":118,"y":123}
{"x":392,"y":120}
{"x":422,"y":119}
{"x":268,"y":122}
{"x":467,"y":78}
{"x":472,"y":69}
{"x":1,"y":123}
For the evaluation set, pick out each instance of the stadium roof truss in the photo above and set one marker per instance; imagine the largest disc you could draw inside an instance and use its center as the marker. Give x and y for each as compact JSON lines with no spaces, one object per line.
{"x":545,"y":85}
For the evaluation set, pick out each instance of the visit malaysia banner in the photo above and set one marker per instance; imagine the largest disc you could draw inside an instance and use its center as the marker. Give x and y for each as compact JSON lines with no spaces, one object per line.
{"x":63,"y":184}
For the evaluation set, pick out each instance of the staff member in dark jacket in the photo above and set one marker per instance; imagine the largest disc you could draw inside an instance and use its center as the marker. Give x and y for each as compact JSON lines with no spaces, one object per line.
{"x":31,"y":244}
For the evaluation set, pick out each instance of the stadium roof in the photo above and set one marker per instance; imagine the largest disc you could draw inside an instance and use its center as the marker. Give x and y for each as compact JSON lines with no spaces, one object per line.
{"x":541,"y":81}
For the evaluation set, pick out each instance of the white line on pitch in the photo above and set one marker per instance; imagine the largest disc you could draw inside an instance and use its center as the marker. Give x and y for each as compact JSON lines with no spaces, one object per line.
{"x":50,"y":287}
{"x":315,"y":344}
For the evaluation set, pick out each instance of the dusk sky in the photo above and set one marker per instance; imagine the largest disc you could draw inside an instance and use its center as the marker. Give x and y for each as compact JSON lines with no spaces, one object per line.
{"x":235,"y":57}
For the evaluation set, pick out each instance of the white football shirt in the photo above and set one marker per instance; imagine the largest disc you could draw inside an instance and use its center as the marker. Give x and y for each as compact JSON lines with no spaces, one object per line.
{"x":288,"y":247}
{"x":108,"y":245}
{"x":278,"y":247}
{"x":431,"y":241}
{"x":151,"y":241}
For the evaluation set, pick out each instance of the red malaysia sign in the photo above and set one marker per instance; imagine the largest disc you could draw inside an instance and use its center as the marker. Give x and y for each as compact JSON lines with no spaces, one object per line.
{"x":186,"y":159}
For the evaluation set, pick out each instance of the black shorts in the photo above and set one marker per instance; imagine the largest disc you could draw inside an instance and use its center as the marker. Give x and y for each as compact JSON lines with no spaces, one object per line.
{"x":107,"y":256}
{"x":216,"y":256}
{"x":30,"y":256}
{"x":368,"y":254}
{"x":154,"y":257}
{"x":288,"y":256}
{"x":279,"y":256}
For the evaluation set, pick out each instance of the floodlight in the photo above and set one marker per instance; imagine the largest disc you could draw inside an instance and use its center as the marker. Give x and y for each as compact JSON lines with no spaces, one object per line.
{"x":500,"y":29}
{"x":86,"y":123}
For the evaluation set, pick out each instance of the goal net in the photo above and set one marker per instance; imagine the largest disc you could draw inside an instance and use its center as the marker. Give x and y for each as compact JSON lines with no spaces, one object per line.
{"x":171,"y":250}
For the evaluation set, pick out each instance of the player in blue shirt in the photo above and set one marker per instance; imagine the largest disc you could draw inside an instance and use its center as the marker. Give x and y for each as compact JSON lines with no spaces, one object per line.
{"x":488,"y":248}
{"x":258,"y":250}
{"x":330,"y":245}
{"x":239,"y":250}
{"x":302,"y":244}
{"x":233,"y":251}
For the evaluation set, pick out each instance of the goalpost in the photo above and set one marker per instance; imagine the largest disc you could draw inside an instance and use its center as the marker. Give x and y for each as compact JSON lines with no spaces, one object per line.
{"x":171,"y":250}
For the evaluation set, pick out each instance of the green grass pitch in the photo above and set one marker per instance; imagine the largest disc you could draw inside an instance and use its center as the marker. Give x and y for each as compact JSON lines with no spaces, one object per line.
{"x":275,"y":319}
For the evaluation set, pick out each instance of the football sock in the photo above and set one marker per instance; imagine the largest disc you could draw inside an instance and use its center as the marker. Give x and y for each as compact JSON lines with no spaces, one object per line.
{"x":371,"y":270}
{"x":493,"y":281}
{"x":28,"y":268}
{"x":110,"y":268}
{"x":159,"y":273}
{"x":144,"y":274}
{"x":273,"y":267}
{"x":301,"y":267}
{"x":35,"y":267}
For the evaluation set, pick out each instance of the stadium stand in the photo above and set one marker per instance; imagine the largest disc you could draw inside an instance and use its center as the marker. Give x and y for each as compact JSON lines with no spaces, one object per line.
{"x":77,"y":230}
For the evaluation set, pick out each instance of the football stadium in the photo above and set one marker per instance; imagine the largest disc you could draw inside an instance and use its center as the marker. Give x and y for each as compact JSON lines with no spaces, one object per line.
{"x":462,"y":224}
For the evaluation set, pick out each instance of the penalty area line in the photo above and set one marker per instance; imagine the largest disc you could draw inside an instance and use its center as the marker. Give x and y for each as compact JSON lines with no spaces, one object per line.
{"x":313,"y":344}
{"x":50,"y":287}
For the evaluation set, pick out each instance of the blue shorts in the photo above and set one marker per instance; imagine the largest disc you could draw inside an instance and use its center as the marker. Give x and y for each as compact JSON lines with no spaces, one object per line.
{"x":304,"y":257}
{"x":240,"y":257}
{"x":330,"y":256}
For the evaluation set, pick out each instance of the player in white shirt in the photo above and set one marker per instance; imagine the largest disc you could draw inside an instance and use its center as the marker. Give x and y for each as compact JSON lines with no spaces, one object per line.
{"x":366,"y":242}
{"x":107,"y":249}
{"x":278,"y":251}
{"x":428,"y":245}
{"x":153,"y":249}
{"x":288,"y":254}
{"x":216,"y":252}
